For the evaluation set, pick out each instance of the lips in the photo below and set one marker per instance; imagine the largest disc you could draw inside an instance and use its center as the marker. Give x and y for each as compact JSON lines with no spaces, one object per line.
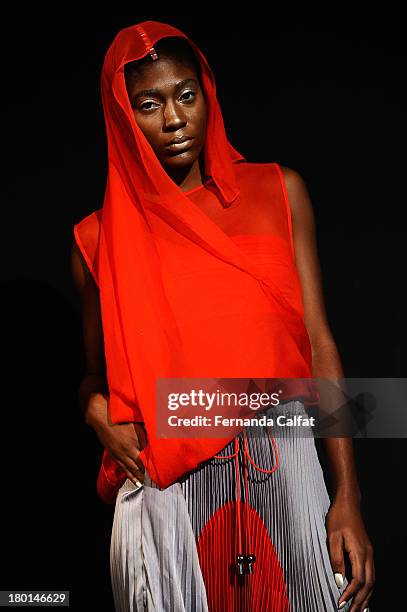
{"x":179,"y":144}
{"x":177,"y":139}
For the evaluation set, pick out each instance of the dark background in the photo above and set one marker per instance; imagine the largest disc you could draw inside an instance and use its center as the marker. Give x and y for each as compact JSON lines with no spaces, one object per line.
{"x":322,"y":93}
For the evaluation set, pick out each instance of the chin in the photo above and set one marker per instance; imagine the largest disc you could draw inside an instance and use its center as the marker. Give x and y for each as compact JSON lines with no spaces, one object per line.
{"x":182,"y":160}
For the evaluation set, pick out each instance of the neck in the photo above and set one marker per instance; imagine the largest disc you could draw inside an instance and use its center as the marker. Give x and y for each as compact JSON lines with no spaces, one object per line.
{"x":188,"y":178}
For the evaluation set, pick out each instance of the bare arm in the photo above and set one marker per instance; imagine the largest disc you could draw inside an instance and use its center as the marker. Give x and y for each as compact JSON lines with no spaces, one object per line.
{"x":326,"y":361}
{"x":93,"y":390}
{"x":122,"y":441}
{"x":344,"y":522}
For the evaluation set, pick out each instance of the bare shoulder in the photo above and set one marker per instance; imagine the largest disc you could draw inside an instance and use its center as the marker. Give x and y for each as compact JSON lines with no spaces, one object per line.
{"x":290,"y":174}
{"x":79,"y":269}
{"x":294,"y":181}
{"x":298,"y":193}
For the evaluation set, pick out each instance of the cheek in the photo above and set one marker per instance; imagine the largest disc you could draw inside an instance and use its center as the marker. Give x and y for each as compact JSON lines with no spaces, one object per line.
{"x":150,"y":128}
{"x":200,"y":121}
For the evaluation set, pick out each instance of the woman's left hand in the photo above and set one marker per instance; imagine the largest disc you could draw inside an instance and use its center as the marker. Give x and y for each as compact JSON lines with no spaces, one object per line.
{"x":346,"y":531}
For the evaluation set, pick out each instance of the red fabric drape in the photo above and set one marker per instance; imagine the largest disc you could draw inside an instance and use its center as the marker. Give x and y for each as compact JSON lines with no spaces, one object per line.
{"x":148,"y":229}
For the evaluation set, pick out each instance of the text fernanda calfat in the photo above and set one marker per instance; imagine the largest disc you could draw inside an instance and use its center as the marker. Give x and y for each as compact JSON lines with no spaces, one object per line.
{"x":282,"y":420}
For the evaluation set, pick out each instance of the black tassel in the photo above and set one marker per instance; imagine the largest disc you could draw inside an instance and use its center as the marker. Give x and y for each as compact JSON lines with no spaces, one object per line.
{"x":244,"y":563}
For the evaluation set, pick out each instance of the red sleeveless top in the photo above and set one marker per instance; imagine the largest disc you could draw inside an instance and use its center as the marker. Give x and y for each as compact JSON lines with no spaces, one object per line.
{"x":233,"y":310}
{"x":200,"y":284}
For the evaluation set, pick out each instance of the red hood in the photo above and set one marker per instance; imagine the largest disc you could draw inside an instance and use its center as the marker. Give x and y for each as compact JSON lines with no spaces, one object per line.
{"x":129,"y":150}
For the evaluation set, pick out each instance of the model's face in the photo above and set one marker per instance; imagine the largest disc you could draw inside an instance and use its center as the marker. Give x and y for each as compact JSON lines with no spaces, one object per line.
{"x":168,"y":102}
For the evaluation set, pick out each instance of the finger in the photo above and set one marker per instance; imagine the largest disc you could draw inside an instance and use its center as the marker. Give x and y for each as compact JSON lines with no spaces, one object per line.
{"x":128,"y":464}
{"x":129,"y":474}
{"x":137,"y":480}
{"x":357,"y":559}
{"x":133,"y":457}
{"x":365,"y":604}
{"x":358,"y":600}
{"x":134,"y":469}
{"x":140,"y":465}
{"x":135,"y":475}
{"x":370,"y":581}
{"x":135,"y":464}
{"x":335,"y":548}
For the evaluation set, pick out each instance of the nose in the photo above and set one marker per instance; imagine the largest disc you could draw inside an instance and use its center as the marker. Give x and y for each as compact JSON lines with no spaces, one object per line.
{"x":174,"y":118}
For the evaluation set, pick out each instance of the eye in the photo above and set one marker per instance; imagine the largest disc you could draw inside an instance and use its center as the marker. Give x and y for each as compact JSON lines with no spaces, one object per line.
{"x":186,"y":93}
{"x":144,"y":107}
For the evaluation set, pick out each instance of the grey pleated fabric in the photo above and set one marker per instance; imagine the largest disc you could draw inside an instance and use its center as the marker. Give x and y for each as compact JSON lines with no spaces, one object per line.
{"x":154,"y":560}
{"x":153,"y":556}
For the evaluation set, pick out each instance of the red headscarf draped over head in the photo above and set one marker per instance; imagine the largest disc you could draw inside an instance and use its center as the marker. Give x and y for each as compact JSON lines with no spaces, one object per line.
{"x":143,"y":210}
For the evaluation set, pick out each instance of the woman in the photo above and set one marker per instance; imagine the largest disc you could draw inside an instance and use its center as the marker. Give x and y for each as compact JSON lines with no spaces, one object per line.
{"x":201,"y":264}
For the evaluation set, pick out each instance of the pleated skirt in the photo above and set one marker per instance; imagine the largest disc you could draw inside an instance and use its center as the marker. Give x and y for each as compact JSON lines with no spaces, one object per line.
{"x":176,"y":549}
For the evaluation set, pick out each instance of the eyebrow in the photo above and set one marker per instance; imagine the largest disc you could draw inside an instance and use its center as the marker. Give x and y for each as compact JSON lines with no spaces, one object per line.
{"x":153,"y":92}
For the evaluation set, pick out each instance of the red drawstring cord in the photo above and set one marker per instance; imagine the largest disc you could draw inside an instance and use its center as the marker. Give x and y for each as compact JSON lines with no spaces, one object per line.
{"x":246,"y":454}
{"x":238,"y":509}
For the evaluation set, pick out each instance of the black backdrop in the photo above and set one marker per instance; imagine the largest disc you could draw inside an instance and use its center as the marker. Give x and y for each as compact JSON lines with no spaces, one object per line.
{"x":321,"y":93}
